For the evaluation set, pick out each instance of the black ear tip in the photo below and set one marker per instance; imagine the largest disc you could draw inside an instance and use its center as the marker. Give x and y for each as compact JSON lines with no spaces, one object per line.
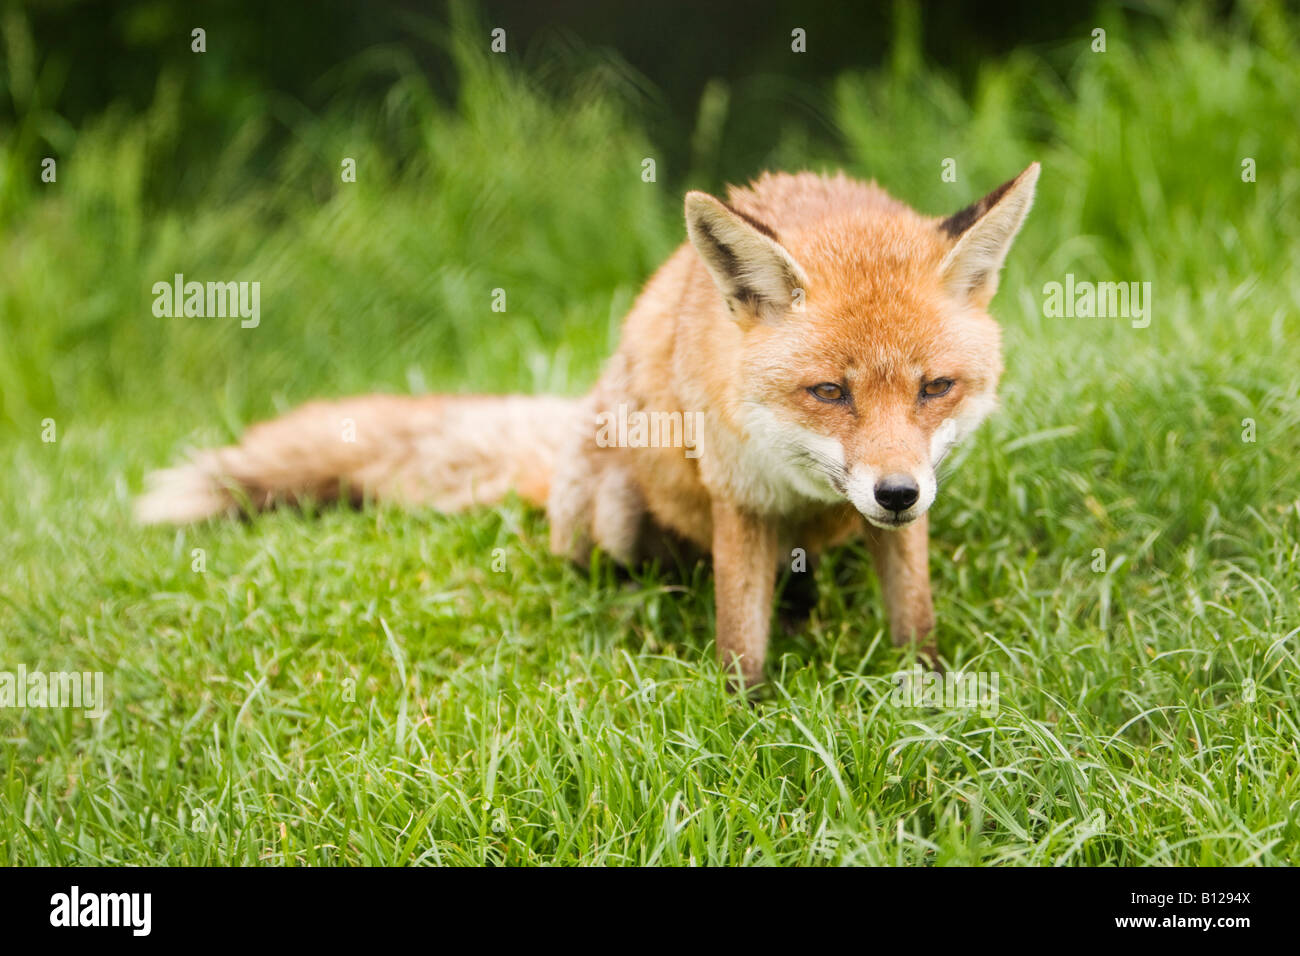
{"x":959,"y":222}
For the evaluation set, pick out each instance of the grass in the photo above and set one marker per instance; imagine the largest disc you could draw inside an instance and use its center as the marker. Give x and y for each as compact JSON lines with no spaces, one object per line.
{"x":365,"y":687}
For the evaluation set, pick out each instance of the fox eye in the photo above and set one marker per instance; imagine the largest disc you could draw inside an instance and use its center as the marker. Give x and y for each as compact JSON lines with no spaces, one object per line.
{"x":828,"y":392}
{"x":935,"y":388}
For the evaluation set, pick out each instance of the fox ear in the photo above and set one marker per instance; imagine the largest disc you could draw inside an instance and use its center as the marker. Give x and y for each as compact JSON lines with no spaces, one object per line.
{"x":983,"y":232}
{"x":752,"y":270}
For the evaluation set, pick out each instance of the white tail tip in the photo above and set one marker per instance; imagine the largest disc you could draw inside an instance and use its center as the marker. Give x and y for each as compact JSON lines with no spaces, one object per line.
{"x":181,"y":495}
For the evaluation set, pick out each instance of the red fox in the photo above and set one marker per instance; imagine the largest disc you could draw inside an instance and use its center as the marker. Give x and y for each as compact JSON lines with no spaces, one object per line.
{"x":831,"y":343}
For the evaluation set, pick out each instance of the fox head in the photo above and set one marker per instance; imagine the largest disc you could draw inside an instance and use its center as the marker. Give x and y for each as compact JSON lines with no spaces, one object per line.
{"x":863,"y":343}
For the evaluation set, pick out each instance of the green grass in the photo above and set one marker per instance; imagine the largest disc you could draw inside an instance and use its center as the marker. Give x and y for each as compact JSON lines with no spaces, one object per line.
{"x":364,"y":687}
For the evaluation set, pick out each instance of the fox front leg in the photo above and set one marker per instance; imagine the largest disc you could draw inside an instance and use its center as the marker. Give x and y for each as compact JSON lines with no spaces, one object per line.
{"x":902,"y":561}
{"x":744,"y":572}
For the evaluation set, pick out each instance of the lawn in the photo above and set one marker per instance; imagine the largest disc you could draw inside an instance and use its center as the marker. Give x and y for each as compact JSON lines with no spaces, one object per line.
{"x":1119,"y":545}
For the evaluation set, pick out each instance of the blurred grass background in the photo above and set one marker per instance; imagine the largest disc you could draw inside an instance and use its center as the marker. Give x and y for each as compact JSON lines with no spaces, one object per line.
{"x":544,"y":715}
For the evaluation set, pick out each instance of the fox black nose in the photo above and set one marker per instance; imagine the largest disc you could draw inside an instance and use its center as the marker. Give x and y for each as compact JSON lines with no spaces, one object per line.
{"x":897,"y":492}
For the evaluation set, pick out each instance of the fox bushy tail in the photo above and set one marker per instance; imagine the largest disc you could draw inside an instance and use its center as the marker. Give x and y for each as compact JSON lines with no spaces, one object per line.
{"x":444,"y":452}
